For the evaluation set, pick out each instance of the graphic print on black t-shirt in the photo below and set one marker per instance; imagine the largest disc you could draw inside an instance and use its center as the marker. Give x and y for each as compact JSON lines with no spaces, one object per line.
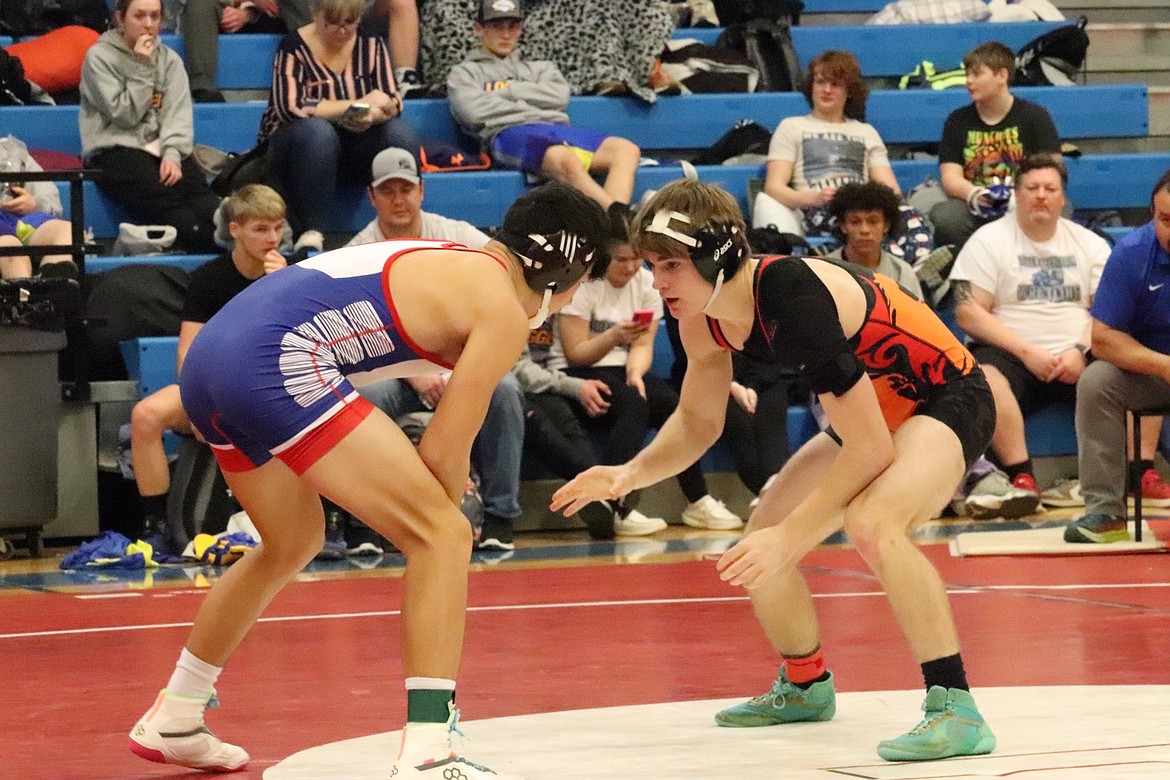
{"x":991,"y":153}
{"x":832,"y":159}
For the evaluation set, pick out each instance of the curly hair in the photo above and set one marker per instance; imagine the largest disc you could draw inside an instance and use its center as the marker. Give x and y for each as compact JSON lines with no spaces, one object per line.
{"x":870,"y":196}
{"x":840,"y":66}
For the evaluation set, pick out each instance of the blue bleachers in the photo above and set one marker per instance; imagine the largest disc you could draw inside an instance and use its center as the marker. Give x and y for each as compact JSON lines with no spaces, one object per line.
{"x":884,"y":51}
{"x":97,"y":265}
{"x":843,"y":6}
{"x":245,"y":61}
{"x":152,"y":362}
{"x":684,"y":122}
{"x":900,"y":117}
{"x":1101,"y":181}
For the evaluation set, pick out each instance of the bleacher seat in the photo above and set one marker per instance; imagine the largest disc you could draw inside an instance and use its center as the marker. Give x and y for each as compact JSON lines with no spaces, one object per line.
{"x":843,"y":6}
{"x":900,"y":117}
{"x":1096,"y":181}
{"x":672,"y":123}
{"x":886,"y":51}
{"x":101,"y":264}
{"x":151,"y":362}
{"x":685,"y":122}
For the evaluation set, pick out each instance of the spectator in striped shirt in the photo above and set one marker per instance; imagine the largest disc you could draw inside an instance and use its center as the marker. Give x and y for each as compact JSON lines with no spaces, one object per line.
{"x":333,"y":92}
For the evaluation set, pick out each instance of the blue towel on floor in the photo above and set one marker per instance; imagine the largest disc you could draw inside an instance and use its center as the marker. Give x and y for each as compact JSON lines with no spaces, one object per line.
{"x":110,"y":550}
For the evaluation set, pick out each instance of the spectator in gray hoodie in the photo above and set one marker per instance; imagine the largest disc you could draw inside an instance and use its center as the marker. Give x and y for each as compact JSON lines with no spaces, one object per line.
{"x":137,"y":127}
{"x":517,"y":110}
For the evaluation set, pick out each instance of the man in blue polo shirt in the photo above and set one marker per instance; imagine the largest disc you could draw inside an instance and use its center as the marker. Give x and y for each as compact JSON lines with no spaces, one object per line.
{"x":1131,"y":340}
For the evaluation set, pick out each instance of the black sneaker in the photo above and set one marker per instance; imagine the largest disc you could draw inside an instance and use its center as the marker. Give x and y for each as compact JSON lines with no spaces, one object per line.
{"x":334,"y":548}
{"x":363,"y":541}
{"x":207,"y":96}
{"x":496,"y":534}
{"x":64,"y":269}
{"x":157,"y":533}
{"x":598,"y":518}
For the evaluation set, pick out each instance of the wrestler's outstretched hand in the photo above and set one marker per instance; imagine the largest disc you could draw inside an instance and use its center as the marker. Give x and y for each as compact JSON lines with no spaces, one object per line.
{"x":596,"y":484}
{"x":753,"y":559}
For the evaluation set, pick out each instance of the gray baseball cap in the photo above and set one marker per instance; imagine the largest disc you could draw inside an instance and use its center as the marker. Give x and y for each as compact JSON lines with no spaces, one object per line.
{"x":394,"y":163}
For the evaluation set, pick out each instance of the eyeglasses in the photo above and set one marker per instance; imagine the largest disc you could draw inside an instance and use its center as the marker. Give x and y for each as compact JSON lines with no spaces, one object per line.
{"x":342,"y":25}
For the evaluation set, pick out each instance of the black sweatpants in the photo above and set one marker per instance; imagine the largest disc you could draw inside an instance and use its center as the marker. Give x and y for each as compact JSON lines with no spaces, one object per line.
{"x":630,"y":416}
{"x":129,"y":177}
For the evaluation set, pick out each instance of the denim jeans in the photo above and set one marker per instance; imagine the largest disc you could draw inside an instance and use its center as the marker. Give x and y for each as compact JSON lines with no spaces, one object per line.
{"x":307,"y":159}
{"x":496,"y":451}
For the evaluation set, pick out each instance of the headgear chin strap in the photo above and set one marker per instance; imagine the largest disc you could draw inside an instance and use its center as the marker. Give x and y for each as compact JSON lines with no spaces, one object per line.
{"x":536,"y":320}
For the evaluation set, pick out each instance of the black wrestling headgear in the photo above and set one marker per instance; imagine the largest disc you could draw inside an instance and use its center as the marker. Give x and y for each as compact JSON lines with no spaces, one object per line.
{"x":715,"y":248}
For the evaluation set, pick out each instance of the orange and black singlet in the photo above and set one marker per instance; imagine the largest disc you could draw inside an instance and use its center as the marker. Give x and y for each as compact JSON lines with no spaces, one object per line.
{"x":907,"y":351}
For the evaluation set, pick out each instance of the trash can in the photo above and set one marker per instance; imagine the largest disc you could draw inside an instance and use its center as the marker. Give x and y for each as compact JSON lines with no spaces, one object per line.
{"x":30,"y":410}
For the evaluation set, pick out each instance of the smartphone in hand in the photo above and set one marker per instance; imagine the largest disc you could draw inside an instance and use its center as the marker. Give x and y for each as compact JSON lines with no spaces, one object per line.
{"x":643,"y":316}
{"x":356,"y":112}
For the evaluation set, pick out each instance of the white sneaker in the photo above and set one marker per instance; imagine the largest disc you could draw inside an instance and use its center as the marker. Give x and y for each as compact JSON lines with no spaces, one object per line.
{"x":637,"y":524}
{"x":183,"y":742}
{"x":712,"y":514}
{"x":451,"y":767}
{"x":993,"y":495}
{"x":421,"y":742}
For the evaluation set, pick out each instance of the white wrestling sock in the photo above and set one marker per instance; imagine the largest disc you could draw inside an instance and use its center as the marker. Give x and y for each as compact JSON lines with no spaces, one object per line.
{"x":193,"y":678}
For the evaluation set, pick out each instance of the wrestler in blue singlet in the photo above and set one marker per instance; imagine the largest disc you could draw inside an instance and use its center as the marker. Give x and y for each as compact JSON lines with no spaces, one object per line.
{"x":306,"y":332}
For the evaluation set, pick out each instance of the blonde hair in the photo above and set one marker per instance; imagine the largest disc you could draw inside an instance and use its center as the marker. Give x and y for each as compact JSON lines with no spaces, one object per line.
{"x":705,"y":204}
{"x":335,"y":11}
{"x":253,"y":201}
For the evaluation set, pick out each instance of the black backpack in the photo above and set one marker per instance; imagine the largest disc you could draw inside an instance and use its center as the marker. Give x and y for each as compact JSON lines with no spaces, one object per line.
{"x":746,"y":137}
{"x":739,"y":11}
{"x":1056,"y":58}
{"x":767,"y":44}
{"x":14,"y":87}
{"x":24,"y":18}
{"x":136,"y":299}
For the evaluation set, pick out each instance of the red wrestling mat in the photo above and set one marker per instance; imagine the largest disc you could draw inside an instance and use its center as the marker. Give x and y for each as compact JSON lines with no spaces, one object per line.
{"x":323,"y":665}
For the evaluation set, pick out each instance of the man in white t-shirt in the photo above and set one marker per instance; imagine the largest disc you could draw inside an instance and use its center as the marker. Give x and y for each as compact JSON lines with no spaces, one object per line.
{"x":396,"y":190}
{"x":1023,"y":285}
